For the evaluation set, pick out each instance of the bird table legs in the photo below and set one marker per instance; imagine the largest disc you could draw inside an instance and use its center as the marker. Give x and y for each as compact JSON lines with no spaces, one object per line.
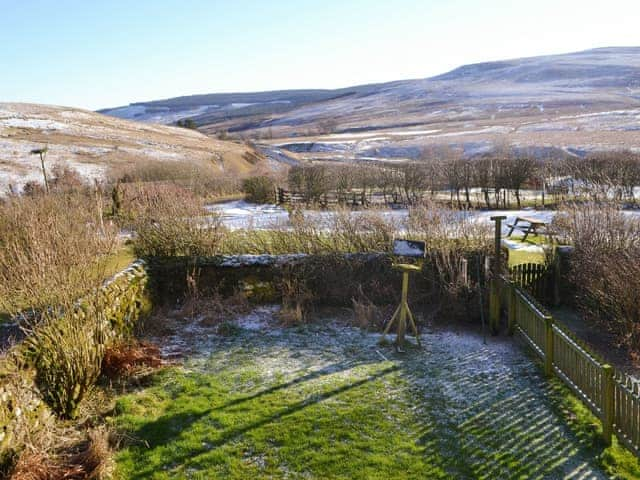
{"x":401,"y":314}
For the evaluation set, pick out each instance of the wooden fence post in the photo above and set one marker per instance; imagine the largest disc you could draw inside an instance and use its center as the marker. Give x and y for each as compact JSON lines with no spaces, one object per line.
{"x":548,"y":350}
{"x":494,"y":298}
{"x":607,"y":403}
{"x":498,"y":243}
{"x":512,"y":309}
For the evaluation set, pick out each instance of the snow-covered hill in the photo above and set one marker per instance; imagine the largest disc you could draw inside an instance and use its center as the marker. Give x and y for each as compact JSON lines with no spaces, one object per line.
{"x":92,"y":143}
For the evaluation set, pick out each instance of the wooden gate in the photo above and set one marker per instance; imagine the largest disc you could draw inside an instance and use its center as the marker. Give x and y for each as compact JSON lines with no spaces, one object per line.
{"x":535,"y":278}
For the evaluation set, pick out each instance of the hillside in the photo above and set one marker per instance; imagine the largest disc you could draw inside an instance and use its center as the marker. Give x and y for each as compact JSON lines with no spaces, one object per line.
{"x":93,"y":143}
{"x":575,"y":102}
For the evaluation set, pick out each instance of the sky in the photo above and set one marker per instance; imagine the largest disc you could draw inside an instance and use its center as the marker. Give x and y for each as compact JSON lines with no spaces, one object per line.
{"x":98,"y":54}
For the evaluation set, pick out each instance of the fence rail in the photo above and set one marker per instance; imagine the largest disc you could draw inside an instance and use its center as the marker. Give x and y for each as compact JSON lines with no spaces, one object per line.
{"x":612,"y":396}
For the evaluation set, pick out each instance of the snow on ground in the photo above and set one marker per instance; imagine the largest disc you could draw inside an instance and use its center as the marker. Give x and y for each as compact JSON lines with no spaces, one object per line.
{"x":522,"y":247}
{"x":408,"y":133}
{"x":241,"y":214}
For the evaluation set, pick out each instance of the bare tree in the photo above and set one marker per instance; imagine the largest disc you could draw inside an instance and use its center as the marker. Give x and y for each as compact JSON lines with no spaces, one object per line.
{"x":517,"y":171}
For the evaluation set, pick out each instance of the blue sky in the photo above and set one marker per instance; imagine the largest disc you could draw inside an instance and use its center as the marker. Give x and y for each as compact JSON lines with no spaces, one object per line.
{"x":95,"y":54}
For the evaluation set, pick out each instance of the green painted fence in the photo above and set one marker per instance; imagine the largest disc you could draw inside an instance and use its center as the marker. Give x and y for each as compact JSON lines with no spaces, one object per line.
{"x":612,"y":396}
{"x":535,"y":278}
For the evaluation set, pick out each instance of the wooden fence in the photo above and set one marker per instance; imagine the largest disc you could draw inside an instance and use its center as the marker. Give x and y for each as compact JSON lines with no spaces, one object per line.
{"x":612,"y":396}
{"x":542,"y":281}
{"x":354,"y":198}
{"x":532,"y":277}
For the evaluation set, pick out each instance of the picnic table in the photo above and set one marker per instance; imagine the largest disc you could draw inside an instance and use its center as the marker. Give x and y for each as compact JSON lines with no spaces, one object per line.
{"x":532,"y":225}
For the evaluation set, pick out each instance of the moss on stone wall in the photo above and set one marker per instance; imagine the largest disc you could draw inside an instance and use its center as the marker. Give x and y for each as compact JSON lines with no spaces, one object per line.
{"x":124,"y":299}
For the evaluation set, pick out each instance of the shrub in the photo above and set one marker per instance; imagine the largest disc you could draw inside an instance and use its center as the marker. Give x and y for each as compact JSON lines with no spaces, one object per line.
{"x":605,"y":266}
{"x":67,"y":353}
{"x":24,"y":418}
{"x":343,"y":232}
{"x":201,"y":179}
{"x":53,"y":249}
{"x":65,"y":179}
{"x":367,"y":315}
{"x":168,"y":222}
{"x":259,"y":189}
{"x":33,"y":188}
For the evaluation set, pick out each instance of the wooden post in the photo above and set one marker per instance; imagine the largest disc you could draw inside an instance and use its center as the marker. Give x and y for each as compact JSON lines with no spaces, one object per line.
{"x":494,"y":306}
{"x":494,"y":294}
{"x":512,"y":309}
{"x":548,"y":349}
{"x":607,"y":404}
{"x":498,"y":243}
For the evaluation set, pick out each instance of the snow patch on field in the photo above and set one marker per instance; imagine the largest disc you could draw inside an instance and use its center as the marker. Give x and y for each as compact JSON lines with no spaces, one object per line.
{"x":241,"y":214}
{"x":33,"y":123}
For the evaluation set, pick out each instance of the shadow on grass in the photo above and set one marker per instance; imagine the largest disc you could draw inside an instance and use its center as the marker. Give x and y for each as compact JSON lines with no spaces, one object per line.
{"x":493,"y":423}
{"x":165,"y":429}
{"x":328,"y":370}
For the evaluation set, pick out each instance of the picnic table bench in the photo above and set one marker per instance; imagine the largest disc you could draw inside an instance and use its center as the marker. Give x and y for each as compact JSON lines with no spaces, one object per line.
{"x":533,"y":226}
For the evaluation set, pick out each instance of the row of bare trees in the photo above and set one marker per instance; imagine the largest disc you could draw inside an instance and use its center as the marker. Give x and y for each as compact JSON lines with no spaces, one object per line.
{"x":494,"y":181}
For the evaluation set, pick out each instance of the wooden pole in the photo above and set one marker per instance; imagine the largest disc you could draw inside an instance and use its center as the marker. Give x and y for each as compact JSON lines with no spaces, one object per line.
{"x":464,"y":272}
{"x":498,"y":243}
{"x":494,"y":289}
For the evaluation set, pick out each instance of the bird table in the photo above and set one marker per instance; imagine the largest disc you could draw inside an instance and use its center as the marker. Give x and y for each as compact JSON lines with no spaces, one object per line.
{"x":403,"y":312}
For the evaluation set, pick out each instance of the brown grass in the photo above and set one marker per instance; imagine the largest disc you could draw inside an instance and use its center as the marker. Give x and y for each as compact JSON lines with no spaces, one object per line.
{"x":92,"y":459}
{"x":203,"y":179}
{"x":125,"y":358}
{"x":34,"y":465}
{"x":367,"y":315}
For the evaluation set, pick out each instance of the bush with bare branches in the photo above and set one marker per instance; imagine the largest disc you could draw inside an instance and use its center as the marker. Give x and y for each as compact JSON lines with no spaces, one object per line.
{"x":53,"y":249}
{"x":605,"y":266}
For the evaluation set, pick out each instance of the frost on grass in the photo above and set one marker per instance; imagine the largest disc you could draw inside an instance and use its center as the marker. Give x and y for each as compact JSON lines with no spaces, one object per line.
{"x":326,"y":400}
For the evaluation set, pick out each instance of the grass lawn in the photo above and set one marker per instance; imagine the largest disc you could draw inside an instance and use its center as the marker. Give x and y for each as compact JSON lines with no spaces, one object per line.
{"x":519,"y":256}
{"x":326,"y":402}
{"x":119,"y":260}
